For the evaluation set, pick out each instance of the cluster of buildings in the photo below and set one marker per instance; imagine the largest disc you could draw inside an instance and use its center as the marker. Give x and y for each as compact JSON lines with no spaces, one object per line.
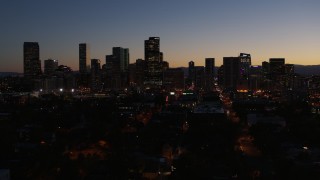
{"x":116,"y":73}
{"x":237,"y":74}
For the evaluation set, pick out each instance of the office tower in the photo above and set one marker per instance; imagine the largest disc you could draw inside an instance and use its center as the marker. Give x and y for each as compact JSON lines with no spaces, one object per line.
{"x":95,"y":66}
{"x":140,"y":71}
{"x":173,"y":79}
{"x":191,"y":75}
{"x":154,"y":68}
{"x":231,"y":72}
{"x":132,"y":75}
{"x":220,"y":75}
{"x":209,"y":73}
{"x":83,"y":58}
{"x":265,"y":67}
{"x":276,"y":65}
{"x":126,"y":59}
{"x":265,"y":73}
{"x":65,"y":78}
{"x":112,"y":72}
{"x":161,"y":56}
{"x":255,"y":78}
{"x":276,"y":68}
{"x":50,"y":66}
{"x":31,"y":59}
{"x":245,"y":63}
{"x":191,"y":70}
{"x":165,"y":65}
{"x":289,"y":76}
{"x":289,"y":69}
{"x":122,"y":57}
{"x":276,"y":73}
{"x":84,"y":65}
{"x":199,"y":77}
{"x":116,"y":68}
{"x":95,"y":74}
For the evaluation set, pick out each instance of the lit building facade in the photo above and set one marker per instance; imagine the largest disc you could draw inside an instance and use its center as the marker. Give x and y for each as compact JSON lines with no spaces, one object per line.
{"x":245,"y":64}
{"x":154,"y":67}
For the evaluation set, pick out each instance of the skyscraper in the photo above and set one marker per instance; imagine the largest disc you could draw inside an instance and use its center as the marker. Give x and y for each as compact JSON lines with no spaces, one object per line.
{"x":245,"y":64}
{"x":173,"y":79}
{"x":140,"y":68}
{"x":276,"y":65}
{"x":122,"y":57}
{"x":191,"y":79}
{"x":209,"y":73}
{"x":95,"y":74}
{"x":31,"y":59}
{"x":116,"y":68}
{"x":83,"y":58}
{"x":50,"y":66}
{"x":191,"y":71}
{"x":276,"y":68}
{"x":154,"y":70}
{"x":231,"y":72}
{"x":126,"y":60}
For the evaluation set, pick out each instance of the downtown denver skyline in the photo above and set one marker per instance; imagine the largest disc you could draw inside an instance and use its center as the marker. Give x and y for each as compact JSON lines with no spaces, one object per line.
{"x":189,"y":30}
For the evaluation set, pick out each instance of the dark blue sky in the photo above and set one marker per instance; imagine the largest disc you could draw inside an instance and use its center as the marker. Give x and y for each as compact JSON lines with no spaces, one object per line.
{"x":189,"y":30}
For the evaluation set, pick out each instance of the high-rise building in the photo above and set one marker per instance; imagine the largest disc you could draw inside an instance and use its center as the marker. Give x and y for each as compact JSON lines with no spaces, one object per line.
{"x":84,"y":65}
{"x":191,"y":75}
{"x":231,"y":72}
{"x":191,"y":70}
{"x":220,"y":75}
{"x":209,"y":73}
{"x":245,"y":64}
{"x":255,"y":78}
{"x":173,"y":79}
{"x":50,"y":66}
{"x":199,"y":77}
{"x":65,"y":78}
{"x":289,"y":76}
{"x":276,"y":65}
{"x":165,"y":65}
{"x":154,"y":67}
{"x":265,"y":67}
{"x":95,"y":74}
{"x":289,"y":69}
{"x":122,"y":56}
{"x":116,"y":68}
{"x":126,"y":59}
{"x":276,"y":68}
{"x":140,"y":71}
{"x":83,"y":58}
{"x":132,"y":75}
{"x":31,"y":59}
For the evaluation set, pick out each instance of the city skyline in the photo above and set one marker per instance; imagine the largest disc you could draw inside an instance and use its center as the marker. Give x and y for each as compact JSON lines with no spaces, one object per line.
{"x":188,"y":30}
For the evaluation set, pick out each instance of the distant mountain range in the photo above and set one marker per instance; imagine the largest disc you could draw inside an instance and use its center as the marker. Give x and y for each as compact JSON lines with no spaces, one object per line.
{"x":305,"y":70}
{"x":5,"y":74}
{"x":300,"y":69}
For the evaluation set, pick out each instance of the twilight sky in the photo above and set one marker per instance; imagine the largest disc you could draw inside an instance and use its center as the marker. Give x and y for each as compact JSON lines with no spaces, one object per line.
{"x":188,"y":29}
